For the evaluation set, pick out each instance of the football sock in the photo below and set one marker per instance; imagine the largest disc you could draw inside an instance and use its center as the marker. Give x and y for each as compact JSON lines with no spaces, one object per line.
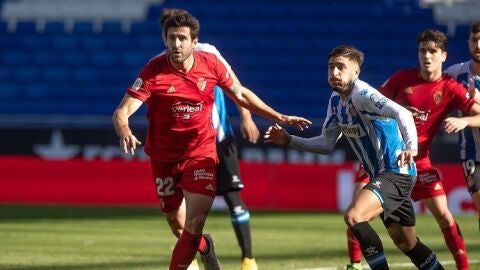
{"x":354,"y":251}
{"x":240,"y":218}
{"x":184,"y":250}
{"x":423,"y":257}
{"x":456,"y":245}
{"x":371,"y":246}
{"x":203,"y":245}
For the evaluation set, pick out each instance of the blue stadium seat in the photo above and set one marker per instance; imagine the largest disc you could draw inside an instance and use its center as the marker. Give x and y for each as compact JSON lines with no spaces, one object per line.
{"x":26,"y":28}
{"x":112,"y":28}
{"x":83,"y":28}
{"x":54,"y":27}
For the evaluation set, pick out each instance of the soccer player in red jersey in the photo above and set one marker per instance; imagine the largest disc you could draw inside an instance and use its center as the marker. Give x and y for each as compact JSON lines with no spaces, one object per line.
{"x":431,"y":95}
{"x":229,"y":182}
{"x":178,"y":89}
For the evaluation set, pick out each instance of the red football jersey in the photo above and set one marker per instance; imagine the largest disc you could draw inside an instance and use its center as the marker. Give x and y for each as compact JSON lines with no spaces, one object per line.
{"x":180,"y":106}
{"x":429,"y":102}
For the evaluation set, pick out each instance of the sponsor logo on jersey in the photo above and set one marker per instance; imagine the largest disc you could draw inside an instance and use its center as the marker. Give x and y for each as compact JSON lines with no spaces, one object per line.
{"x":171,"y":89}
{"x":437,"y":97}
{"x":137,"y":84}
{"x":377,"y":183}
{"x":354,"y":131}
{"x":187,"y":107}
{"x":378,"y":100}
{"x":418,"y":116}
{"x":201,"y":84}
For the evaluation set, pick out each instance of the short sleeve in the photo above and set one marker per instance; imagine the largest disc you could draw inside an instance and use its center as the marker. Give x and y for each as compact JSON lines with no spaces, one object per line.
{"x":139,"y":88}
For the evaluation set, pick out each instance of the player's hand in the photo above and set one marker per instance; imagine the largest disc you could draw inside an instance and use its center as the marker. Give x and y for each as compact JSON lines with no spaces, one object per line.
{"x":406,"y":157}
{"x":249,"y":130}
{"x":128,"y":143}
{"x":455,"y":124}
{"x":277,"y":135}
{"x":299,"y":122}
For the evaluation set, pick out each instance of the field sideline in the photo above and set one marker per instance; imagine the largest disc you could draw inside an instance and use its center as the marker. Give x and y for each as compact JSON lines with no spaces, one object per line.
{"x":81,"y":238}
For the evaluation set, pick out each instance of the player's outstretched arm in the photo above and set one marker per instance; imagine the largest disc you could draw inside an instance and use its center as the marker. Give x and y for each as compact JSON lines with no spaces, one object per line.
{"x":246,"y":98}
{"x":128,"y":106}
{"x":323,"y":144}
{"x":277,"y":135}
{"x":455,"y":124}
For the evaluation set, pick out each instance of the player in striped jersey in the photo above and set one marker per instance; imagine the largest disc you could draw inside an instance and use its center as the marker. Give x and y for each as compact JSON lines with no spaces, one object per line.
{"x":468,"y":73}
{"x":383,"y":136}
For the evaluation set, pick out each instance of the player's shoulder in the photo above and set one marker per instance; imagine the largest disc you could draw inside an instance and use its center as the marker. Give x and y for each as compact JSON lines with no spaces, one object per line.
{"x":157,"y":61}
{"x":206,"y":47}
{"x":406,"y":73}
{"x":457,"y":69}
{"x":362,"y":89}
{"x":205,"y":56}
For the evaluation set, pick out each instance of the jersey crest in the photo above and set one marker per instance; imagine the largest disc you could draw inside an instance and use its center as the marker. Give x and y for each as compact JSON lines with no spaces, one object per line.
{"x":437,"y":97}
{"x":201,"y":84}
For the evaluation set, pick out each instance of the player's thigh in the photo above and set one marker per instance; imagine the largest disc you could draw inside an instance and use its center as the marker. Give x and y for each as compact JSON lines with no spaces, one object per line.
{"x":364,"y":207}
{"x":166,"y":180}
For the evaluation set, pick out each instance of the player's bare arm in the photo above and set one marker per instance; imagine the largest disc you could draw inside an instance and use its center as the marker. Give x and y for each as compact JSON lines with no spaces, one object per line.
{"x":248,"y":128}
{"x":277,"y":135}
{"x":254,"y":104}
{"x":128,"y":106}
{"x":456,"y":124}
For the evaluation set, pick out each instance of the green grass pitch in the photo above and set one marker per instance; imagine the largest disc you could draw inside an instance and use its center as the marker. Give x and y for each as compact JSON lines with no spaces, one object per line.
{"x":81,"y":238}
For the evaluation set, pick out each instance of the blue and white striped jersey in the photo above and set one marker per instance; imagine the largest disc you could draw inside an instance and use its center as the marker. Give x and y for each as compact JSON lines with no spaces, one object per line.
{"x":373,"y":125}
{"x":469,"y":138}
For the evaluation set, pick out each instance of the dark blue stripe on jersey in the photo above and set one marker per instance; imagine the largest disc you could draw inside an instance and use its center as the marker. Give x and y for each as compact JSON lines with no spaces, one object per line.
{"x":463,"y":78}
{"x":470,"y":150}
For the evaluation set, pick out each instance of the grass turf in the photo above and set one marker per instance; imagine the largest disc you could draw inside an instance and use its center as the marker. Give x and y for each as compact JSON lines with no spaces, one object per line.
{"x":78,"y":238}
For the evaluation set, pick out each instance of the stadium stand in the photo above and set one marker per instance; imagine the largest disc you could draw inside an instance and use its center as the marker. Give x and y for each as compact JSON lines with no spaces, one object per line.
{"x":78,"y":57}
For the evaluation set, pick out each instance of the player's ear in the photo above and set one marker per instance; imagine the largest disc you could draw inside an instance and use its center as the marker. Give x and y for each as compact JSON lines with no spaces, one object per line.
{"x":357,"y":73}
{"x":195,"y":42}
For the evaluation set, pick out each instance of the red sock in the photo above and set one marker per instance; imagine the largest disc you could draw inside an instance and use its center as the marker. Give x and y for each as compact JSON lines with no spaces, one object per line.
{"x":184,"y":250}
{"x":203,"y":246}
{"x":456,"y":245}
{"x":354,"y":251}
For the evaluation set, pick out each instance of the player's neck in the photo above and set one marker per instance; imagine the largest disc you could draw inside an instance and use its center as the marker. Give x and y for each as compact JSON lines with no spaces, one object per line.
{"x":185,"y":66}
{"x":476,"y":68}
{"x":431,"y":76}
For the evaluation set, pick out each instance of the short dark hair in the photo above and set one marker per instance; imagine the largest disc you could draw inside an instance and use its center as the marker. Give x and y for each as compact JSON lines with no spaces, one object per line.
{"x":349,"y":52}
{"x":475,"y":27}
{"x":435,"y":36}
{"x":168,"y":12}
{"x":184,"y":19}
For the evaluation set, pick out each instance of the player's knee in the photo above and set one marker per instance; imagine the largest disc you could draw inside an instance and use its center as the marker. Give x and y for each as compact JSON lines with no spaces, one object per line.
{"x":352,"y":217}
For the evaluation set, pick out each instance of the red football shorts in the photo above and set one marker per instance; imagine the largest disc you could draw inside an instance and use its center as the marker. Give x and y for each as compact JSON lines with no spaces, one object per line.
{"x":362,"y":176}
{"x":428,"y":185}
{"x":193,"y":175}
